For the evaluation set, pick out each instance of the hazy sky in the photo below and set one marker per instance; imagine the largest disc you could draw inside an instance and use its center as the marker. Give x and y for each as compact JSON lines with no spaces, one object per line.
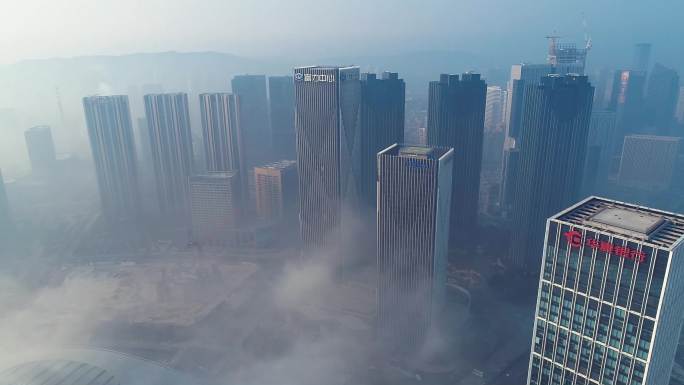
{"x":48,"y":28}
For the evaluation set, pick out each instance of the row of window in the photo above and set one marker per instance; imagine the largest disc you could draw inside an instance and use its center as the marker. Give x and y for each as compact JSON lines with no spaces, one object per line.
{"x":613,"y":278}
{"x":612,"y":326}
{"x":619,"y":370}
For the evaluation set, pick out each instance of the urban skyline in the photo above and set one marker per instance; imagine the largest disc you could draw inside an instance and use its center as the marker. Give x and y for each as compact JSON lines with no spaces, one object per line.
{"x":384,"y":222}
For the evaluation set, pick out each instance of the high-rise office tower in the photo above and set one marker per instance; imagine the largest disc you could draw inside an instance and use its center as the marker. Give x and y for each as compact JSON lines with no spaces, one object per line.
{"x":168,"y":122}
{"x":253,"y":118}
{"x":521,"y":74}
{"x":327,"y":119}
{"x":111,"y":141}
{"x":609,"y":308}
{"x":661,"y":99}
{"x":281,"y":102}
{"x":456,"y":119}
{"x":41,"y":148}
{"x":255,"y":128}
{"x":276,"y":190}
{"x":603,"y":82}
{"x":214,"y":206}
{"x":642,"y":57}
{"x":552,"y":149}
{"x":414,"y":193}
{"x":382,"y":124}
{"x":601,"y":145}
{"x":222,"y":145}
{"x":627,"y":100}
{"x":648,"y":162}
{"x":495,"y":108}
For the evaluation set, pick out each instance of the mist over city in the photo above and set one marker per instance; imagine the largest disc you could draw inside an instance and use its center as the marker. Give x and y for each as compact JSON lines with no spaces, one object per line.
{"x":322,"y":192}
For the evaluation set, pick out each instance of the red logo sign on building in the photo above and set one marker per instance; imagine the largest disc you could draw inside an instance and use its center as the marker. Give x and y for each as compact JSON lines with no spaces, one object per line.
{"x":574,"y":239}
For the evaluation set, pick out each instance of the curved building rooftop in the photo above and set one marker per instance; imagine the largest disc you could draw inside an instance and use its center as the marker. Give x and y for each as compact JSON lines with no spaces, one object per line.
{"x":89,"y":367}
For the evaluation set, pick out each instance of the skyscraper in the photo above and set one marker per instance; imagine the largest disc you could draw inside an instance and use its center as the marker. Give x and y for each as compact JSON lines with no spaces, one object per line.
{"x":222,"y":146}
{"x":414,"y":193}
{"x":41,"y":149}
{"x":642,"y":57}
{"x":495,"y":108}
{"x":111,"y":141}
{"x":648,"y":162}
{"x":253,"y":118}
{"x":168,"y":122}
{"x":601,"y":145}
{"x":327,"y":119}
{"x":215,"y":206}
{"x":627,"y":100}
{"x":609,"y":308}
{"x":521,"y":74}
{"x":382,"y":124}
{"x":552,"y":149}
{"x":661,"y":99}
{"x":276,"y":191}
{"x":281,"y":102}
{"x":456,"y":119}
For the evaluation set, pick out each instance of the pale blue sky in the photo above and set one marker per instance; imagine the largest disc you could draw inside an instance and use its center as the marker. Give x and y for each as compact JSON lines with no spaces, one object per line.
{"x":49,"y":28}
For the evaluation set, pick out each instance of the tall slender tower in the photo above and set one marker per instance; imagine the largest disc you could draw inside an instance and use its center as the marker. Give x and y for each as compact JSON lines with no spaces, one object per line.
{"x":551,"y":160}
{"x":220,"y":131}
{"x":414,"y":193}
{"x":601,"y":146}
{"x":642,"y":57}
{"x":327,"y":119}
{"x":456,"y":119}
{"x":382,"y":124}
{"x":610,"y":304}
{"x":41,"y":149}
{"x":495,"y":108}
{"x":628,"y":102}
{"x":111,"y":141}
{"x":661,"y":99}
{"x":171,"y":142}
{"x":254,"y":119}
{"x":281,"y":102}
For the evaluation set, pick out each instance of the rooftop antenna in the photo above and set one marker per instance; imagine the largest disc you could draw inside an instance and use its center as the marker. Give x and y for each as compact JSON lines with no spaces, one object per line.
{"x":587,"y":38}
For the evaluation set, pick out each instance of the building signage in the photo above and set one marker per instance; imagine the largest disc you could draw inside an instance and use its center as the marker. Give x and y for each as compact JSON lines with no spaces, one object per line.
{"x":315,"y":78}
{"x":574,"y":239}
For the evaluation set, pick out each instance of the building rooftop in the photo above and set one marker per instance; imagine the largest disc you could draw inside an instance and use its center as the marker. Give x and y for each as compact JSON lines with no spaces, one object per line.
{"x":328,"y":67}
{"x":660,"y":228}
{"x":417,"y":151}
{"x":39,"y":128}
{"x":655,"y":137}
{"x":214,"y":175}
{"x":88,"y":367}
{"x":280,"y":164}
